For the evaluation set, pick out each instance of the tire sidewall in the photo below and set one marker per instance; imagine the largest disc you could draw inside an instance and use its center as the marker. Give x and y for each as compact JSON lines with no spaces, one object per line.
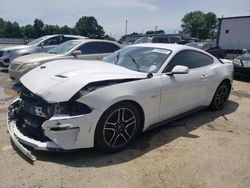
{"x":213,"y":103}
{"x":100,"y":142}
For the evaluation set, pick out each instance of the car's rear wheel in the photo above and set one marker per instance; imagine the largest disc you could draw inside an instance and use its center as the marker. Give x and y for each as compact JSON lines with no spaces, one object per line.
{"x":117,"y":127}
{"x":220,"y":97}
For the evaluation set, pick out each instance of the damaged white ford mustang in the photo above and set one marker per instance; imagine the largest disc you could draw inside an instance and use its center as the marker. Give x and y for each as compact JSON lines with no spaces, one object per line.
{"x":71,"y":104}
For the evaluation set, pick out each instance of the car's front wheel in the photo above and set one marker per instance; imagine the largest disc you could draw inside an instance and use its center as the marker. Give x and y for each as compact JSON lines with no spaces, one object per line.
{"x":220,"y":97}
{"x":117,"y":127}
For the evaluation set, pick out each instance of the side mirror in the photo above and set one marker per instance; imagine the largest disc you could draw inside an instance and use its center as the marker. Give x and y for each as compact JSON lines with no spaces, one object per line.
{"x":76,"y":53}
{"x":179,"y":69}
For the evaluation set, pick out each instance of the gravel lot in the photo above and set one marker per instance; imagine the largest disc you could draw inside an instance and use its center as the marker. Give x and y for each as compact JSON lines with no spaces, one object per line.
{"x":206,"y":149}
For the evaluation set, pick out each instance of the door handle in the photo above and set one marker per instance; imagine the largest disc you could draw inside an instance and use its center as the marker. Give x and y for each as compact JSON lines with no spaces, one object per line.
{"x":204,"y":76}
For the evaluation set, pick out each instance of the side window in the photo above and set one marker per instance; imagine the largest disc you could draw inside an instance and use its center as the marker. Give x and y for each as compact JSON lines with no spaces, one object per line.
{"x":163,"y":40}
{"x":53,"y":41}
{"x":106,"y":47}
{"x":174,"y":40}
{"x":155,"y":40}
{"x":189,"y":58}
{"x":68,"y":38}
{"x":90,"y":48}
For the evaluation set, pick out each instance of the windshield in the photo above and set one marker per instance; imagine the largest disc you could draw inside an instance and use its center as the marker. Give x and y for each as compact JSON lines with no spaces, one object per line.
{"x":142,"y":59}
{"x":143,"y":40}
{"x":34,"y":42}
{"x":64,"y":47}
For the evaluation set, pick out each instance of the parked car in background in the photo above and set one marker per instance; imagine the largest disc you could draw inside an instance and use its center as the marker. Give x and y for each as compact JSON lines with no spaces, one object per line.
{"x":186,"y":40}
{"x":72,"y":104}
{"x":5,"y":54}
{"x":41,"y":44}
{"x":210,"y":47}
{"x":157,"y":39}
{"x":242,"y":65}
{"x":88,"y":49}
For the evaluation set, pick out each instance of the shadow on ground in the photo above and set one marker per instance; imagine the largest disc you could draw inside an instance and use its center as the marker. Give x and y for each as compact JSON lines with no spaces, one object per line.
{"x":144,"y":143}
{"x":4,"y":70}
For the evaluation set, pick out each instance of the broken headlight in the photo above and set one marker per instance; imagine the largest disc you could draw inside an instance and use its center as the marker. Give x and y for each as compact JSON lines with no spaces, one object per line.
{"x":73,"y":108}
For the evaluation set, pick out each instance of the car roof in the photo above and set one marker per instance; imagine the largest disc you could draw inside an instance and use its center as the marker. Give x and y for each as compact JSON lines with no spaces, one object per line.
{"x":95,"y":40}
{"x":175,"y":48}
{"x":167,"y":46}
{"x":76,"y":36}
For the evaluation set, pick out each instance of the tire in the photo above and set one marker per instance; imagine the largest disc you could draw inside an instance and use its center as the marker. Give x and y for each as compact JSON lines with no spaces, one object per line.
{"x":117,"y":127}
{"x":220,"y":97}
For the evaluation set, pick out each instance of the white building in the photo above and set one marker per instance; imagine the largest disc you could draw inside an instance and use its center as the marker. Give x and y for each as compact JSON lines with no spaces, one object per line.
{"x":234,"y":34}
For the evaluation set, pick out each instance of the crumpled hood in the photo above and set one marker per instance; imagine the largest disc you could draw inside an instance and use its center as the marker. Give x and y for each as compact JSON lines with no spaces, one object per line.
{"x":37,"y":57}
{"x":58,"y":81}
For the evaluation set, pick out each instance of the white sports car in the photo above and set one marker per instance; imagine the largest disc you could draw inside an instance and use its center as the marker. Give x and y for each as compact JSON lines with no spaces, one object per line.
{"x":105,"y":104}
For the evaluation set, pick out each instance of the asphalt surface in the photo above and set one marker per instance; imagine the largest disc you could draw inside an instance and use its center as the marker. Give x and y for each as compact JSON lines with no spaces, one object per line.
{"x":205,"y":149}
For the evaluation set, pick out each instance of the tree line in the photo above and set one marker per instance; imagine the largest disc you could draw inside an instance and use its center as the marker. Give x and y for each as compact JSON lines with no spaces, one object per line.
{"x":197,"y":23}
{"x":85,"y":26}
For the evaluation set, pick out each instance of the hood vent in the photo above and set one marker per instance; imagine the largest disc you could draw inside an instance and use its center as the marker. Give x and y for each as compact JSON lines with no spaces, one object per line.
{"x":60,"y":76}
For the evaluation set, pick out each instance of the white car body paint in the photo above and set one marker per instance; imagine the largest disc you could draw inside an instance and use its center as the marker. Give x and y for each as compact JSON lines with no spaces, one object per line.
{"x":161,"y":97}
{"x":76,"y":75}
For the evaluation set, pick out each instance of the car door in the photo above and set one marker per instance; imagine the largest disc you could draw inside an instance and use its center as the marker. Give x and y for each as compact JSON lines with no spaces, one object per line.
{"x":96,"y":50}
{"x":184,"y":92}
{"x":89,"y":51}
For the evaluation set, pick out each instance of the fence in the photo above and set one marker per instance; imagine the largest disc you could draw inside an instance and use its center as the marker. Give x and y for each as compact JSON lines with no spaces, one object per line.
{"x":14,"y":40}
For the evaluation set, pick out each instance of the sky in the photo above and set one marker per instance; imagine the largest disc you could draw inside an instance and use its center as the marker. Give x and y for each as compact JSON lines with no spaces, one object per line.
{"x":142,"y":15}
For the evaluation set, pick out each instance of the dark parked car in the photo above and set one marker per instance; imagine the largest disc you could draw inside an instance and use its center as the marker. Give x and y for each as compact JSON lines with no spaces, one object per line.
{"x":157,"y":39}
{"x":189,"y":40}
{"x":242,"y":65}
{"x":209,"y":47}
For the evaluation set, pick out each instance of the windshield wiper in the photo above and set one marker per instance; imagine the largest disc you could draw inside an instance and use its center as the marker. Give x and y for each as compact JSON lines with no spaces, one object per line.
{"x":51,"y":52}
{"x":137,"y":65}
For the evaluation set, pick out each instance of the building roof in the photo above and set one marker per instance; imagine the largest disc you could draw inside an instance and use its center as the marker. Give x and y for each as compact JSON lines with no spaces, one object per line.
{"x":234,"y":17}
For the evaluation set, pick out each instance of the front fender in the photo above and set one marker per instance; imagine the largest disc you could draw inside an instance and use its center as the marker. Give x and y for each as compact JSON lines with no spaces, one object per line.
{"x":145,"y":92}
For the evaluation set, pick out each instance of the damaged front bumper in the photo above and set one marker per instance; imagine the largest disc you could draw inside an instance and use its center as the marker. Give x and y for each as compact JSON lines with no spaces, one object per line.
{"x":19,"y":139}
{"x":57,"y":133}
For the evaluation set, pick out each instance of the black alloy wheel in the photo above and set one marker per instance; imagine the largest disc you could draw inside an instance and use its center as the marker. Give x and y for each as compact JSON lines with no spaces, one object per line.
{"x":117,"y":127}
{"x":220,"y":97}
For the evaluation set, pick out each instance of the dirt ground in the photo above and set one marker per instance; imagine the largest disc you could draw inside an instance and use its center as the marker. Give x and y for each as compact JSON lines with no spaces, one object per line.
{"x":206,"y":149}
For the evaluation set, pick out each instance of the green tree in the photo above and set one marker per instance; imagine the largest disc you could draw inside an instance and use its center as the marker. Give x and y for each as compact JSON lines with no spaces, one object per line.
{"x":51,"y":29}
{"x":199,"y":24}
{"x":11,"y":30}
{"x":65,"y":30}
{"x":2,"y":27}
{"x":27,"y":31}
{"x":38,"y":28}
{"x":107,"y":37}
{"x":88,"y":26}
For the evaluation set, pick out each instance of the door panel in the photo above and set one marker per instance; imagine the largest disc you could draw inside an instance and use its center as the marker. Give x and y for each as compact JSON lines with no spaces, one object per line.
{"x":183,"y":92}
